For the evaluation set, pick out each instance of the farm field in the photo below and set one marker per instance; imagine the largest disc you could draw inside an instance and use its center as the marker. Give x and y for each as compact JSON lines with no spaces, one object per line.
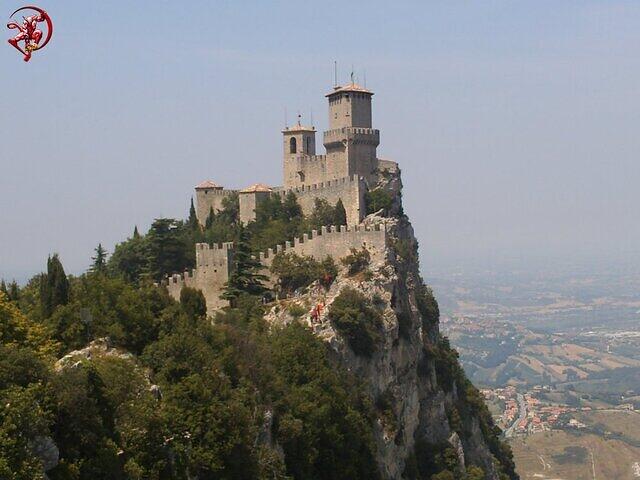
{"x":608,"y":447}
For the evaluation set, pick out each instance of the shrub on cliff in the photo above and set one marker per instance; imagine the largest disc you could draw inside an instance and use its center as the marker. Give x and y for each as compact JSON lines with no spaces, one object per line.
{"x":357,"y":260}
{"x":427,"y":306}
{"x":378,"y":199}
{"x":357,"y":321}
{"x":298,"y":271}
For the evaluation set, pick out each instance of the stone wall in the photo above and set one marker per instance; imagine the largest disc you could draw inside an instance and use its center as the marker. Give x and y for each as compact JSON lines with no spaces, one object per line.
{"x":248,"y":201}
{"x":350,"y":190}
{"x":213,"y":264}
{"x":313,"y":168}
{"x":336,"y":242}
{"x":206,"y":199}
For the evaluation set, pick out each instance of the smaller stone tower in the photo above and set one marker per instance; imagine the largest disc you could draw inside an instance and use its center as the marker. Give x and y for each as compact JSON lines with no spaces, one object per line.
{"x":299,"y":146}
{"x":250,"y":198}
{"x":209,"y":196}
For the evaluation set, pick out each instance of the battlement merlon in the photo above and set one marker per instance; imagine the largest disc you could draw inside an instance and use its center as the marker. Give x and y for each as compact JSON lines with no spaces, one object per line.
{"x":216,"y":255}
{"x":353,"y":135}
{"x":334,"y":241}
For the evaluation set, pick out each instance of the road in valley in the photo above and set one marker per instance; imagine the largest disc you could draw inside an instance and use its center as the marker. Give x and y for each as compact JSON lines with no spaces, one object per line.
{"x":522,"y":414}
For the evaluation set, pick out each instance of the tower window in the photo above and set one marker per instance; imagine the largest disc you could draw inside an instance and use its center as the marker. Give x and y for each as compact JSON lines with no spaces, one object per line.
{"x":308,"y":149}
{"x":293,"y":148}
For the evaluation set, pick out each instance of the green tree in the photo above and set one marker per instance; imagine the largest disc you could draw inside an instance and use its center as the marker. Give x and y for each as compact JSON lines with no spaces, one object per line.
{"x":99,"y":264}
{"x":129,"y":258}
{"x":378,"y":199}
{"x":340,"y":213}
{"x":291,"y":208}
{"x":296,"y":271}
{"x":54,"y":289}
{"x":23,"y":418}
{"x":211,"y":218}
{"x":193,"y":222}
{"x":193,"y":303}
{"x":167,"y":248}
{"x":19,"y":330}
{"x":245,"y":277}
{"x":324,"y":214}
{"x":475,"y":473}
{"x":357,"y":321}
{"x":14,"y":291}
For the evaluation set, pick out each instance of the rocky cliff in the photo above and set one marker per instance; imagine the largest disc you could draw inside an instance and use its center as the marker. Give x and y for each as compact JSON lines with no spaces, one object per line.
{"x":429,"y":417}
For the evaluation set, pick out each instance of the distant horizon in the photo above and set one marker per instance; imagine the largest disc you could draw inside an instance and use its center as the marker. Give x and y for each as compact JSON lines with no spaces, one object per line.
{"x":515,"y":126}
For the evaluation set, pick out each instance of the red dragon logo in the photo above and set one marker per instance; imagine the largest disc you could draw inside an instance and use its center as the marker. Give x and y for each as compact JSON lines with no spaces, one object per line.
{"x":29,"y":33}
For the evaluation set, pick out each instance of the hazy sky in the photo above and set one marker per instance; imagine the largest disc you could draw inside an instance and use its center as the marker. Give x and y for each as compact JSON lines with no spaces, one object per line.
{"x":516,"y":123}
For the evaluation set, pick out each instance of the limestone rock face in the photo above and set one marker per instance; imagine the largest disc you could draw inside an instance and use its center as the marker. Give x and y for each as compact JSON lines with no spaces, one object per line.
{"x":98,"y":348}
{"x":399,"y":370}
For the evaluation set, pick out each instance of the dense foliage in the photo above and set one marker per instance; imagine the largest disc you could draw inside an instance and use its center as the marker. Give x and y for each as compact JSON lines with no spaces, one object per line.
{"x":177,"y":395}
{"x":358,"y":321}
{"x":299,"y":271}
{"x":378,"y":200}
{"x":169,"y":246}
{"x":226,"y":391}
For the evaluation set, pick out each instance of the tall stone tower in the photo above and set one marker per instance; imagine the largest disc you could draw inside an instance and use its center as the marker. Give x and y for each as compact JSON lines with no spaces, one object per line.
{"x":351,"y":141}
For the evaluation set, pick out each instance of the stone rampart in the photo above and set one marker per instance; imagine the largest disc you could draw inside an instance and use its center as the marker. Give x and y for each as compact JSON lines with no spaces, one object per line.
{"x":214,"y":263}
{"x":350,"y":190}
{"x":336,"y":242}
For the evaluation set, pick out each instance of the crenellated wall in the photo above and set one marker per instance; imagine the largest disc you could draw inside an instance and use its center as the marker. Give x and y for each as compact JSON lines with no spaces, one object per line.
{"x":350,"y":190}
{"x":336,"y":242}
{"x":304,"y":169}
{"x":214,"y":263}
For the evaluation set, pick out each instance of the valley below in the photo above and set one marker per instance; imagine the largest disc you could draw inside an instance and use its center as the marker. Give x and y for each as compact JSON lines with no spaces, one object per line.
{"x":557,"y":356}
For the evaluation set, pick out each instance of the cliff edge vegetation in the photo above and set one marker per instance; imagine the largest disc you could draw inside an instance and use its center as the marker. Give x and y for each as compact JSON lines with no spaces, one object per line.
{"x":325,"y":369}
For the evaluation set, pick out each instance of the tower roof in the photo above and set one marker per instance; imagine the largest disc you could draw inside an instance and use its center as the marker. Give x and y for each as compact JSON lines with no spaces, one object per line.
{"x":299,"y":128}
{"x":350,"y":87}
{"x":256,"y":187}
{"x":208,"y":184}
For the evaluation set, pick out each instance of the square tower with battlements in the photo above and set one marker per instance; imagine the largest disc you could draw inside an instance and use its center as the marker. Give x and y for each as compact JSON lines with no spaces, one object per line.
{"x":350,"y":142}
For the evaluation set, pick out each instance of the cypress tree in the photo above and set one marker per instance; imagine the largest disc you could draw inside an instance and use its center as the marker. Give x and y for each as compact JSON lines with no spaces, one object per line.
{"x":136,"y":234}
{"x":291,"y":207}
{"x":193,"y":218}
{"x":244,"y":279}
{"x":14,"y":291}
{"x":54,"y":286}
{"x":210,"y":219}
{"x":340,"y":213}
{"x":3,"y":288}
{"x":100,"y":260}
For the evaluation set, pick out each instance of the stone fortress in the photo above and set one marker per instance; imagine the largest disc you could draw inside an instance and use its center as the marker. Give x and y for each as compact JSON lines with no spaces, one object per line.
{"x":346,"y":172}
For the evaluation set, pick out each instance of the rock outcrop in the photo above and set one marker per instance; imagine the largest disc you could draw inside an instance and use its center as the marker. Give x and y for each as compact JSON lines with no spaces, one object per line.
{"x":422,"y":398}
